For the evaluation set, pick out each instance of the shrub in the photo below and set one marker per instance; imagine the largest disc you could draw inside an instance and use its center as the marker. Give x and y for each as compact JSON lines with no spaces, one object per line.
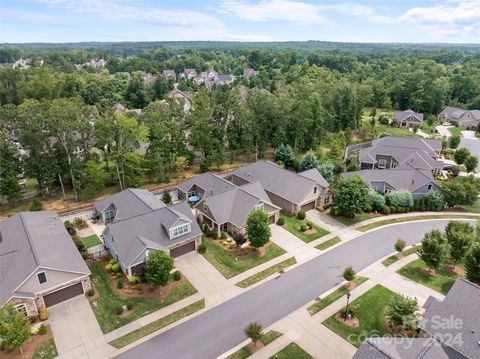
{"x":166,"y":197}
{"x":384,"y":134}
{"x":281,"y":221}
{"x":36,"y":205}
{"x":80,"y":223}
{"x":368,"y":208}
{"x":134,"y":279}
{"x":119,"y":275}
{"x":120,"y":283}
{"x":90,"y":292}
{"x":401,"y":198}
{"x":42,"y":330}
{"x":112,"y":261}
{"x":33,"y":319}
{"x":309,"y":225}
{"x":223,"y":235}
{"x":202,"y":248}
{"x":43,"y":314}
{"x":303,"y":227}
{"x":376,"y":200}
{"x":239,"y":238}
{"x":115,"y":267}
{"x":461,"y":155}
{"x":129,"y":305}
{"x":301,"y":214}
{"x":435,"y":200}
{"x":108,"y":267}
{"x":119,"y":310}
{"x":177,"y":275}
{"x":386,"y":209}
{"x":70,"y":228}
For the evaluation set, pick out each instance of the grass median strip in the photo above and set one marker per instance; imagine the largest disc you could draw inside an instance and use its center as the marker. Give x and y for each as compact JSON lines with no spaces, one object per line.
{"x":331,"y":242}
{"x":158,"y":324}
{"x":373,"y":225}
{"x":393,"y":258}
{"x":332,"y":297}
{"x":266,"y":273}
{"x":292,"y":350}
{"x":245,"y":352}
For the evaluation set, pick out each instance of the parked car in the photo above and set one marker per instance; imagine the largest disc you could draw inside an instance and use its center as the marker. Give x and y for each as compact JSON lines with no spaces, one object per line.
{"x":446,"y":123}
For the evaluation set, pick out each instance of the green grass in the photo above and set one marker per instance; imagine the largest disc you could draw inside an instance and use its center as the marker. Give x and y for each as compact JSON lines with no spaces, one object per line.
{"x":394,"y":131}
{"x":104,"y":307}
{"x":334,"y":296}
{"x":158,"y":324}
{"x":331,"y":242}
{"x":373,"y":225}
{"x":245,"y":352}
{"x":45,"y":350}
{"x":457,"y":130}
{"x":358,"y":218}
{"x":266,"y":273}
{"x":91,"y":241}
{"x":474,"y":208}
{"x":229,"y":265}
{"x":441,"y":283}
{"x":293,"y":224}
{"x":291,"y":351}
{"x":393,"y":258}
{"x":370,"y":313}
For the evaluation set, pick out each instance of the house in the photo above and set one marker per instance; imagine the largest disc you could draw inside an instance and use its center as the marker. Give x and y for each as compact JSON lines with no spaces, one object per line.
{"x":205,"y":77}
{"x":169,"y":74}
{"x":399,"y":152}
{"x":286,"y":189}
{"x":40,"y":265}
{"x":224,"y":79}
{"x":207,"y":184}
{"x":188,"y":74}
{"x":417,"y":182}
{"x":249,"y":72}
{"x":172,"y":229}
{"x":125,"y":204}
{"x":460,"y":116}
{"x":449,"y":330}
{"x":407,"y":118}
{"x":148,"y":78}
{"x":184,"y":97}
{"x":6,"y":65}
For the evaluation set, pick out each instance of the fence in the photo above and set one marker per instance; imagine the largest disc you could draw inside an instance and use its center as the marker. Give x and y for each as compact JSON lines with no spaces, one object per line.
{"x":355,"y":148}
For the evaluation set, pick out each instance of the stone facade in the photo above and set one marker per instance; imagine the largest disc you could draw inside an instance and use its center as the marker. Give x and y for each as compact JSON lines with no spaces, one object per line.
{"x":29,"y":304}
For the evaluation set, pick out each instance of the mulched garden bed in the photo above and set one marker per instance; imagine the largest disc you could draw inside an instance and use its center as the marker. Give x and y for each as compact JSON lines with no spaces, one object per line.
{"x":28,"y":347}
{"x":352,"y":323}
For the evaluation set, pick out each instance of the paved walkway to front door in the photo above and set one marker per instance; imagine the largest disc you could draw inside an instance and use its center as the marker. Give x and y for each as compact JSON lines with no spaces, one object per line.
{"x":76,"y":330}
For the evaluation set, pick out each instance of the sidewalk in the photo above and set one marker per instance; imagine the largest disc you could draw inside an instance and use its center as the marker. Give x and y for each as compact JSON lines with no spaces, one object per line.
{"x":294,"y":246}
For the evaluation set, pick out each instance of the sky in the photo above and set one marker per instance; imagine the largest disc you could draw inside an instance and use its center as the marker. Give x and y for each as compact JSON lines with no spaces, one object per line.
{"x":420,"y":21}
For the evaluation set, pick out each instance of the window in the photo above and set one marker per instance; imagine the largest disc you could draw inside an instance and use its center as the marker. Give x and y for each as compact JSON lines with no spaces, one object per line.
{"x":429,"y":187}
{"x":382,"y":163}
{"x":224,"y":226}
{"x":315,"y":189}
{"x":179,"y":230}
{"x":109,"y":216}
{"x":259,"y":207}
{"x":42,"y":277}
{"x":22,"y":308}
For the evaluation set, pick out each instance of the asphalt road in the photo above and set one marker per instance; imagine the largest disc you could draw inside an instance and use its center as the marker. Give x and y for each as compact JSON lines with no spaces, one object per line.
{"x":221,"y":328}
{"x":473,"y":146}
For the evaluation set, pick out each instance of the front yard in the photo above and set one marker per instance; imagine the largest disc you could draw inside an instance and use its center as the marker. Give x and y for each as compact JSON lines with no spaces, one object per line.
{"x":358,"y":218}
{"x":293,"y":225}
{"x":233,"y":261}
{"x":292,"y":350}
{"x":370,"y":313}
{"x":109,"y":300}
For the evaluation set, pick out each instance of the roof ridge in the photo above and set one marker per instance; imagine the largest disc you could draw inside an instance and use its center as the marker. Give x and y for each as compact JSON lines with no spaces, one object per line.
{"x":381,"y":350}
{"x":131,"y":190}
{"x":27,"y":232}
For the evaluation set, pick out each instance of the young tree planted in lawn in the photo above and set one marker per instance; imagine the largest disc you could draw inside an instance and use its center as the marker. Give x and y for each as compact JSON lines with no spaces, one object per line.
{"x":434,"y":249}
{"x":349,"y":274}
{"x":157,"y":268}
{"x":402,"y":312}
{"x":471,"y":163}
{"x":257,"y":229}
{"x":461,"y":155}
{"x":254,"y":332}
{"x":460,"y":236}
{"x":454,"y":141}
{"x":472,"y":264}
{"x":350,"y":195}
{"x":400,"y":246}
{"x":14,"y":328}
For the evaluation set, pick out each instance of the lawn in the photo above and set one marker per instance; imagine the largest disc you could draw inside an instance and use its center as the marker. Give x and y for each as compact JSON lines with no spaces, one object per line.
{"x":442,"y":282}
{"x":334,"y":296}
{"x":370,"y":313}
{"x":327,"y":244}
{"x":358,"y":218}
{"x":45,"y":350}
{"x":91,"y":241}
{"x":104,"y":307}
{"x":158,"y":324}
{"x":266,"y":273}
{"x":293,"y":224}
{"x":291,"y":351}
{"x":393,"y":258}
{"x":457,"y":130}
{"x":245,"y":352}
{"x":230,"y":265}
{"x":394,"y":131}
{"x":474,"y":208}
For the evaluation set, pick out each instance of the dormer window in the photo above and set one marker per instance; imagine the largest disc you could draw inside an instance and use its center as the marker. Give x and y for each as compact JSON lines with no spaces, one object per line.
{"x":42,"y":277}
{"x":259,"y":207}
{"x":109,"y":216}
{"x":315,"y":189}
{"x":180,"y":230}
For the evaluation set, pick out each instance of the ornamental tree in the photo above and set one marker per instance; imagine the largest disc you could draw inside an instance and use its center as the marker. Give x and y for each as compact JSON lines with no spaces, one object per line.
{"x":257,"y":229}
{"x":400,"y":246}
{"x":461,"y":155}
{"x":350,"y":195}
{"x":472,"y":264}
{"x":471,"y":163}
{"x":309,"y":161}
{"x":434,"y":249}
{"x":349,"y":274}
{"x":14,"y":329}
{"x":285,"y":154}
{"x":402,"y":311}
{"x":254,"y":332}
{"x":158,"y":266}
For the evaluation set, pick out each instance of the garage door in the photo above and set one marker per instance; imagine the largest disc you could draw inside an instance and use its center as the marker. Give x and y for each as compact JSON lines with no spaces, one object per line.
{"x":271,"y":219}
{"x":308,"y":206}
{"x":63,"y":294}
{"x":189,"y":247}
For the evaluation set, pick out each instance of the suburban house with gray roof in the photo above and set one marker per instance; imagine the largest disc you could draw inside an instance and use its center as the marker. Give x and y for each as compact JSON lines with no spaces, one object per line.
{"x":460,"y":116}
{"x":171,"y":229}
{"x":182,"y":97}
{"x":417,"y":182}
{"x":128,"y":203}
{"x":450,"y":330}
{"x":40,"y":265}
{"x":188,"y":74}
{"x":207,"y":184}
{"x":286,"y":189}
{"x":408,"y":118}
{"x":169,"y":74}
{"x":402,"y":152}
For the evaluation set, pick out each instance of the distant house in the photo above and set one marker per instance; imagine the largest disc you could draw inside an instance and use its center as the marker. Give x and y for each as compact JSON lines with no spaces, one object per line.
{"x":148,"y":78}
{"x":460,"y":116}
{"x":125,"y":204}
{"x":224,"y":79}
{"x":407,"y":118}
{"x":184,"y":97}
{"x":171,"y":229}
{"x":417,"y":182}
{"x":93,"y":63}
{"x":204,"y":185}
{"x":286,"y":189}
{"x":40,"y":266}
{"x":249,"y":72}
{"x":449,"y":330}
{"x":169,"y":74}
{"x":6,"y":65}
{"x":402,"y":152}
{"x":188,"y":74}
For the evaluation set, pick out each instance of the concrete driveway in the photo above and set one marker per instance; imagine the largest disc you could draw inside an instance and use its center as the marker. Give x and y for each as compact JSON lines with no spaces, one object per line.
{"x":76,"y":330}
{"x":443,"y":130}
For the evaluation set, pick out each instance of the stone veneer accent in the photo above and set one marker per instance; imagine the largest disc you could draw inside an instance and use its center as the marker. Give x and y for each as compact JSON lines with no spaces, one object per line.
{"x":29,"y":303}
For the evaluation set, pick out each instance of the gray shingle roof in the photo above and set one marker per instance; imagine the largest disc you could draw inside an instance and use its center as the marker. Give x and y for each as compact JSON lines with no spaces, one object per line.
{"x":427,"y":145}
{"x":408,"y":114}
{"x":456,"y":113}
{"x":462,"y":303}
{"x":130,"y":202}
{"x":209,"y":182}
{"x":292,"y":186}
{"x":30,"y":240}
{"x":133,"y":235}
